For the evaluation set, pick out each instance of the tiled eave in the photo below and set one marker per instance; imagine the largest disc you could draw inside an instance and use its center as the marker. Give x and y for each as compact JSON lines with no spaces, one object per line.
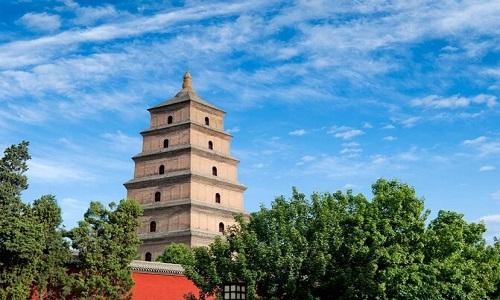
{"x":176,"y":176}
{"x":186,"y":124}
{"x":156,"y":267}
{"x":174,"y":150}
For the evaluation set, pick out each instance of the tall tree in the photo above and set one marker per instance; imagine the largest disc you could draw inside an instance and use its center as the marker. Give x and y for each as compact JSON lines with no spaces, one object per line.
{"x":33,"y":252}
{"x":343,"y":246}
{"x":106,"y":241}
{"x":51,"y":274}
{"x":21,"y":238}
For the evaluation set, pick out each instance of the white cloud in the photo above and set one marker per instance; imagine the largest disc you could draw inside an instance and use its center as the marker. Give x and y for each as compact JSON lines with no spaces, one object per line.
{"x":496,"y":195}
{"x":491,"y":219}
{"x":379,"y":159}
{"x":51,"y":171}
{"x":298,"y":132}
{"x":258,"y":165}
{"x":486,"y":168}
{"x":41,"y":21}
{"x":454,"y":102}
{"x":345,"y":132}
{"x":350,"y":152}
{"x":367,"y":125}
{"x":308,"y":158}
{"x":389,"y":138}
{"x":121,"y":141}
{"x":389,"y":126}
{"x":233,"y":130}
{"x":410,"y":121}
{"x":484,"y":145}
{"x":305,"y":159}
{"x":39,"y":50}
{"x":492,"y":223}
{"x":350,"y":144}
{"x":88,"y":15}
{"x":476,"y":141}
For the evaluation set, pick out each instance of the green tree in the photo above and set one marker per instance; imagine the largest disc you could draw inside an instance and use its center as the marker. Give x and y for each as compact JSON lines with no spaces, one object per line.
{"x":21,"y":238}
{"x":51,"y":274}
{"x":223,"y":262}
{"x":106,"y":241}
{"x":177,"y":254}
{"x":461,"y":265}
{"x":33,"y":252}
{"x":343,"y":246}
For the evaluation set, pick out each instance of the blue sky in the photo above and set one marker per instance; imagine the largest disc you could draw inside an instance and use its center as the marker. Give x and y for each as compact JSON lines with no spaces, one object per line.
{"x":322,"y":95}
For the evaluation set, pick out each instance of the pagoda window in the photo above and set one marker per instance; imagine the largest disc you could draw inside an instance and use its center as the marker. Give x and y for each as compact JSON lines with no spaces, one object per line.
{"x":152,"y":226}
{"x":148,"y":256}
{"x":161,"y":170}
{"x":157,"y":197}
{"x":207,"y":121}
{"x":170,"y":119}
{"x":214,"y":171}
{"x":165,"y":143}
{"x":221,"y":227}
{"x":210,"y":145}
{"x":217,"y":198}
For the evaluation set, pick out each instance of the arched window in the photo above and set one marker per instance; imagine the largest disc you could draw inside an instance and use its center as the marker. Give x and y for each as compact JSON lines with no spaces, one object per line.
{"x":170,"y":119}
{"x":221,"y":227}
{"x":210,"y":145}
{"x":207,"y":121}
{"x":161,"y":170}
{"x":152,"y":226}
{"x":157,"y":197}
{"x":165,"y":143}
{"x":148,"y":256}
{"x":217,"y":198}
{"x":214,"y":171}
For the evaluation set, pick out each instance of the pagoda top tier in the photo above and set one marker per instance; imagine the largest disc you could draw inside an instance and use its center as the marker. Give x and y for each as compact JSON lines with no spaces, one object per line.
{"x":187,"y":93}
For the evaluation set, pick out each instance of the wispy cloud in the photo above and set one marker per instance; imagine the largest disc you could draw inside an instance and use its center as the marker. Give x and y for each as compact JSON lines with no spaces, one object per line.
{"x":492,"y":225}
{"x":121,"y":141}
{"x":476,"y":141}
{"x":233,"y":130}
{"x":345,"y":132}
{"x":41,"y":21}
{"x":454,"y":102}
{"x":486,"y":168}
{"x":389,"y":138}
{"x":496,"y":195}
{"x":52,"y":171}
{"x":298,"y":132}
{"x":484,"y":145}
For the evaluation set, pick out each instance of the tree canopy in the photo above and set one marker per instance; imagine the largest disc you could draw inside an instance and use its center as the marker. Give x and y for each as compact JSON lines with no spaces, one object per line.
{"x":106,"y":241}
{"x":344,"y":246}
{"x":35,"y":252}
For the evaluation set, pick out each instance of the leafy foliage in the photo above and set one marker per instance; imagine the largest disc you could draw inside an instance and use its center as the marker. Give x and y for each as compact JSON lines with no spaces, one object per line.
{"x":51,"y":273}
{"x":21,"y":238}
{"x":342,"y":246}
{"x":106,"y":241}
{"x":34,"y":255}
{"x":177,"y":254}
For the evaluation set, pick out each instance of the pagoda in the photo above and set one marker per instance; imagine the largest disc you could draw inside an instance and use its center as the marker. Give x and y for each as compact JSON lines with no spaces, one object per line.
{"x":185,"y":178}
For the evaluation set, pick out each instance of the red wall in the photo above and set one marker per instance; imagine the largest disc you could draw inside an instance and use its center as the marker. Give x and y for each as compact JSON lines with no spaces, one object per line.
{"x":162,"y":286}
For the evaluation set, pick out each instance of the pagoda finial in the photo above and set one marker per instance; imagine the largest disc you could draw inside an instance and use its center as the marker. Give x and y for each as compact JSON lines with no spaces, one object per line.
{"x":186,"y":82}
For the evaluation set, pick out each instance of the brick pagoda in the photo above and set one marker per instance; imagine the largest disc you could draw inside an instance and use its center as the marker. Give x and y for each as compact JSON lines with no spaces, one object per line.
{"x":185,"y":177}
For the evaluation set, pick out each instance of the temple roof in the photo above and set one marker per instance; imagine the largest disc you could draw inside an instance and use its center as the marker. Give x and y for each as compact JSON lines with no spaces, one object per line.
{"x":156,"y":267}
{"x":187,"y":93}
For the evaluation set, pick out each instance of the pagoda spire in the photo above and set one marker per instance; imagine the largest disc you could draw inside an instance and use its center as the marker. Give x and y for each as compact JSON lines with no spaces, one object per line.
{"x":187,"y":83}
